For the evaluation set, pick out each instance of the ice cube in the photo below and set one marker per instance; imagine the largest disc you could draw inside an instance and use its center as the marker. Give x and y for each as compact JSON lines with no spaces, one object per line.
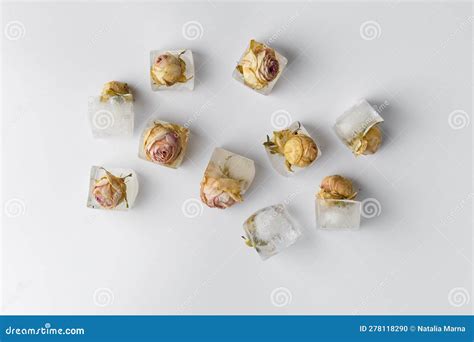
{"x":111,"y":118}
{"x":187,"y":57}
{"x":226,"y":178}
{"x":270,"y":230}
{"x":356,"y":121}
{"x":278,"y":160}
{"x":282,"y":61}
{"x":128,"y":176}
{"x":331,"y":213}
{"x":236,"y":166}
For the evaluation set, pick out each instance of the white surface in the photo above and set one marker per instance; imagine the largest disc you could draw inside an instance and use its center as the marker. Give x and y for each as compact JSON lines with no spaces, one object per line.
{"x":61,"y":257}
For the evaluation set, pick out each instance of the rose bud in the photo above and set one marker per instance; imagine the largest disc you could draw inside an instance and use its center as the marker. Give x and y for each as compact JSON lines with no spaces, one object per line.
{"x":164,"y":143}
{"x":298,"y":148}
{"x":370,"y":142}
{"x":115,"y":88}
{"x":226,"y":179}
{"x":109,"y":191}
{"x":359,"y":128}
{"x":336,"y":187}
{"x":259,"y":65}
{"x":168,"y":70}
{"x":220,"y":192}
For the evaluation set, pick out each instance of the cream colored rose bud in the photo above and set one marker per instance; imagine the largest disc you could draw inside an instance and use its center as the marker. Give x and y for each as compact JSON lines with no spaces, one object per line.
{"x":113,"y":189}
{"x":114,"y":88}
{"x":171,"y":70}
{"x":168,"y":69}
{"x":163,"y":143}
{"x":259,"y":67}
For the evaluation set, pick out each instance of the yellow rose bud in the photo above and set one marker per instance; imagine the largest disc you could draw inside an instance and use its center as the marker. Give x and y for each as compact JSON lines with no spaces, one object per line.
{"x":369,"y":143}
{"x":374,"y":139}
{"x":300,"y":150}
{"x":336,"y":187}
{"x":115,"y":88}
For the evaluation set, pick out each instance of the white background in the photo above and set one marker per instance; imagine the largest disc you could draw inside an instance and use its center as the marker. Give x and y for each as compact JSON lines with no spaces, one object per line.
{"x":61,"y":257}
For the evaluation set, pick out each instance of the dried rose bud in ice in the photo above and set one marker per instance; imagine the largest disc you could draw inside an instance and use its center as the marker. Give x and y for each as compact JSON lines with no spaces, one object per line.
{"x":368,"y":143}
{"x":219,"y":189}
{"x":300,"y":150}
{"x":109,"y":191}
{"x":226,"y":179}
{"x":259,"y":65}
{"x":115,"y":88}
{"x":220,"y":192}
{"x":336,"y":187}
{"x":168,"y":70}
{"x":163,"y":143}
{"x":297,"y":148}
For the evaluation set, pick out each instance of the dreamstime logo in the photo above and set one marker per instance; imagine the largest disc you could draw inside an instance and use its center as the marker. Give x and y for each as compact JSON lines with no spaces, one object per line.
{"x":103,"y":297}
{"x":370,"y":30}
{"x":460,"y":207}
{"x":198,"y":113}
{"x":465,"y":24}
{"x":371,"y":208}
{"x":282,"y":29}
{"x":458,"y":297}
{"x":280,"y":119}
{"x":103,"y":119}
{"x":14,"y":30}
{"x":458,"y":119}
{"x":381,"y":107}
{"x":280,"y":297}
{"x":192,"y":30}
{"x":192,"y":207}
{"x":15,"y":207}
